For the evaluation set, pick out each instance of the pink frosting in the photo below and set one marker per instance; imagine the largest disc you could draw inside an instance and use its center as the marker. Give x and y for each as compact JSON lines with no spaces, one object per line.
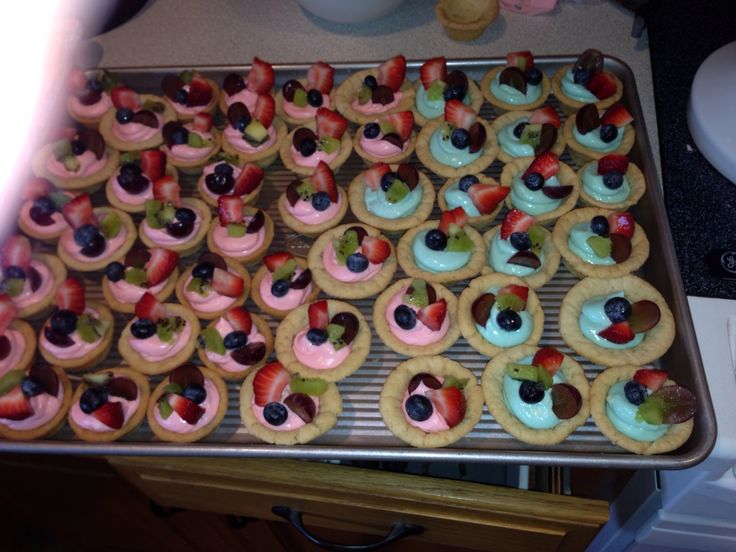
{"x":209,"y":169}
{"x":314,"y":159}
{"x":135,"y":132}
{"x":17,"y":345}
{"x":318,"y":357}
{"x":183,"y":109}
{"x":238,"y":246}
{"x":186,"y":152}
{"x":226,"y":361}
{"x":210,"y":404}
{"x":306,"y":112}
{"x":339,"y":272}
{"x":371,"y":108}
{"x":290,"y":301}
{"x":125,"y":292}
{"x":303,"y":211}
{"x":44,"y":408}
{"x":88,"y":421}
{"x":28,"y":297}
{"x":161,"y":237}
{"x":88,"y":164}
{"x":292,"y":420}
{"x":80,"y":347}
{"x":435,"y":422}
{"x":112,"y":245}
{"x":94,"y":111}
{"x":210,"y":302}
{"x":419,"y":334}
{"x":235,"y":139}
{"x":127,"y":197}
{"x":244,"y":96}
{"x":152,"y":349}
{"x":58,"y":225}
{"x":380,"y":148}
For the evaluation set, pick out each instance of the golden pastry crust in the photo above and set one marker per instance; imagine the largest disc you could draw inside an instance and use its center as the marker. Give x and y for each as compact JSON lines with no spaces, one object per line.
{"x":196,"y":435}
{"x":570,"y":105}
{"x":637,"y":185}
{"x":131,"y":424}
{"x":95,"y":355}
{"x":675,"y":437}
{"x":561,"y":234}
{"x":369,"y":159}
{"x":298,"y":320}
{"x":545,"y":272}
{"x":108,"y":120}
{"x":255,"y":255}
{"x":566,"y":177}
{"x":406,"y":256}
{"x":43,"y":308}
{"x":501,"y":122}
{"x":118,"y":203}
{"x":152,"y":368}
{"x":248,"y":199}
{"x":488,"y":155}
{"x":90,"y":183}
{"x":129,"y":308}
{"x":262,"y":158}
{"x":29,"y":346}
{"x":346,"y":148}
{"x":313,"y":230}
{"x":194,"y":166}
{"x":478,"y":287}
{"x":380,"y":323}
{"x":33,"y":232}
{"x":54,"y":424}
{"x":476,"y":101}
{"x":115,"y":255}
{"x":501,"y":106}
{"x":293,"y":122}
{"x":208,"y":108}
{"x":191,"y":245}
{"x":492,"y":383}
{"x":265,"y":307}
{"x":581,"y":154}
{"x":263,"y":329}
{"x":350,"y":88}
{"x":349,"y":290}
{"x":233,"y":267}
{"x":480,"y":222}
{"x":656,"y":342}
{"x":396,"y":385}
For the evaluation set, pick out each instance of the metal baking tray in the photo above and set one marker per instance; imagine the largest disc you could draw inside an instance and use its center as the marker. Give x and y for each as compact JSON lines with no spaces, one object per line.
{"x":360,"y":433}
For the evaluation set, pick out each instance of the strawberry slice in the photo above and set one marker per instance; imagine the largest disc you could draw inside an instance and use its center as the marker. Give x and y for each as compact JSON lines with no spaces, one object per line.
{"x":403,"y":123}
{"x":275,"y":260}
{"x":376,"y":250}
{"x":459,"y":114}
{"x":203,"y":122}
{"x":650,"y":378}
{"x":456,"y":216}
{"x":392,"y":72}
{"x":515,"y":221}
{"x":167,"y":190}
{"x":319,"y":317}
{"x":548,"y":358}
{"x":78,"y":211}
{"x":522,"y":292}
{"x":187,"y":410}
{"x":14,"y":405}
{"x":524,"y":60}
{"x":487,"y":197}
{"x":602,"y":85}
{"x":545,"y":164}
{"x":261,"y":77}
{"x":123,"y":96}
{"x":8,"y":310}
{"x":240,"y":319}
{"x":16,"y":252}
{"x":248,"y":180}
{"x":617,"y":115}
{"x":264,"y":110}
{"x":324,"y":181}
{"x":372,"y":177}
{"x":70,"y":296}
{"x":160,"y":265}
{"x":76,"y":81}
{"x":433,"y":70}
{"x":153,"y":164}
{"x":269,"y":383}
{"x":36,"y":187}
{"x":545,"y":114}
{"x":230,"y":209}
{"x":619,"y":333}
{"x":433,"y":315}
{"x":450,"y":403}
{"x":613,"y":162}
{"x":621,"y":223}
{"x":200,"y":92}
{"x":320,"y":76}
{"x":330,"y":124}
{"x":225,"y":283}
{"x":149,"y":308}
{"x":110,"y":414}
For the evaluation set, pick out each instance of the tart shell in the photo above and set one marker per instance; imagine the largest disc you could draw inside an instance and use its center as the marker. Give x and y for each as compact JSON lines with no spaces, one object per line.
{"x":192,"y":245}
{"x":292,"y":121}
{"x":239,"y":301}
{"x":255,"y":255}
{"x":637,"y":185}
{"x":571,"y":105}
{"x":194,"y":166}
{"x":29,"y":347}
{"x":129,"y":207}
{"x":350,"y":88}
{"x":43,"y":308}
{"x":501,"y":106}
{"x":108,"y":119}
{"x":581,"y":154}
{"x":488,"y":155}
{"x":506,"y":119}
{"x":479,"y":222}
{"x":370,"y":159}
{"x":90,"y":183}
{"x":476,"y":101}
{"x":262,"y":158}
{"x":346,"y":148}
{"x":312,"y":230}
{"x":129,"y":308}
{"x":258,"y":299}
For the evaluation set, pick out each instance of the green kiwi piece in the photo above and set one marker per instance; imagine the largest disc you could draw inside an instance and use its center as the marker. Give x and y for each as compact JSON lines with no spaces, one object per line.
{"x":346,"y":245}
{"x":436,"y":91}
{"x":329,"y":144}
{"x":518,"y":371}
{"x":600,"y":245}
{"x":10,"y":380}
{"x":531,"y":135}
{"x":308,"y":386}
{"x":213,"y":341}
{"x":153,"y":208}
{"x":459,"y":241}
{"x":236,"y":230}
{"x":300,"y":97}
{"x":135,"y":276}
{"x":111,"y":225}
{"x":417,"y":294}
{"x":510,"y":301}
{"x":397,"y":191}
{"x":334,"y":334}
{"x":255,"y":133}
{"x":285,"y":271}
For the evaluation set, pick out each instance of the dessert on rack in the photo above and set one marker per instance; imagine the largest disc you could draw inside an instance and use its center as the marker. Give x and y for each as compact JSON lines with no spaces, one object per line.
{"x":480,"y":196}
{"x":190,"y":93}
{"x":283,"y":283}
{"x":436,"y":85}
{"x":518,"y":85}
{"x":528,"y":133}
{"x":299,"y":99}
{"x":240,"y":232}
{"x":324,"y":139}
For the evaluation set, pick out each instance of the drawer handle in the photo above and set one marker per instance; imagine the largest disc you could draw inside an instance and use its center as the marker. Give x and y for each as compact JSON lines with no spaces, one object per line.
{"x":397,"y":531}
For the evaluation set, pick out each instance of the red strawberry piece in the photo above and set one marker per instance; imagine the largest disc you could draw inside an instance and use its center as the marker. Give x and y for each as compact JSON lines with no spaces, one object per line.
{"x":76,"y":81}
{"x":602,"y":85}
{"x":123,"y":96}
{"x":275,"y":260}
{"x":372,"y":177}
{"x":318,"y":315}
{"x":459,"y":114}
{"x":14,"y":405}
{"x":330,"y":123}
{"x":392,"y":72}
{"x":456,"y":216}
{"x":459,"y":216}
{"x":17,"y":252}
{"x":545,"y":114}
{"x":225,"y":283}
{"x":515,"y":221}
{"x":545,"y":164}
{"x":248,"y":180}
{"x":548,"y":358}
{"x":321,"y":76}
{"x":621,"y":223}
{"x":650,"y":378}
{"x":149,"y":308}
{"x":523,"y":60}
{"x":616,"y":115}
{"x":167,"y":190}
{"x":403,"y":123}
{"x":433,"y":315}
{"x":619,"y":332}
{"x":78,"y":211}
{"x":261,"y":77}
{"x":522,"y":292}
{"x":203,"y":122}
{"x":450,"y":403}
{"x":8,"y":310}
{"x":269,"y":383}
{"x":230,"y":209}
{"x":433,"y":70}
{"x":153,"y":164}
{"x":187,"y":410}
{"x":264,"y":110}
{"x":324,"y":181}
{"x":240,"y":319}
{"x":486,"y":197}
{"x":613,"y":162}
{"x":160,"y":266}
{"x":200,"y":92}
{"x":70,"y":296}
{"x":110,"y":414}
{"x":376,"y":250}
{"x":36,"y":187}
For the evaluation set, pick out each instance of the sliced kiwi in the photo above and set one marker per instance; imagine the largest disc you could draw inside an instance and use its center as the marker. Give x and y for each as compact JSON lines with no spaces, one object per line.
{"x":13,"y":286}
{"x":111,"y":225}
{"x":308,"y":386}
{"x":417,"y":294}
{"x":91,"y":329}
{"x":600,"y":245}
{"x":334,"y":334}
{"x":300,"y":97}
{"x":59,"y":199}
{"x":510,"y":301}
{"x":166,"y":328}
{"x":329,"y":144}
{"x":651,"y":411}
{"x":518,"y":371}
{"x":164,"y":408}
{"x":152,"y":105}
{"x":285,"y":271}
{"x":194,"y":140}
{"x":452,"y":381}
{"x":459,"y":241}
{"x":10,"y":380}
{"x":345,"y":246}
{"x":436,"y":91}
{"x":197,"y":285}
{"x":62,"y":149}
{"x":167,"y":214}
{"x":545,"y":377}
{"x":536,"y":236}
{"x":236,"y":230}
{"x":213,"y":341}
{"x":71,"y":163}
{"x":397,"y":191}
{"x":255,"y":133}
{"x":153,"y":208}
{"x":446,"y":130}
{"x":386,"y":127}
{"x":531,"y":135}
{"x":186,"y":76}
{"x":364,"y":96}
{"x":305,"y":190}
{"x":99,"y":379}
{"x":135,"y":276}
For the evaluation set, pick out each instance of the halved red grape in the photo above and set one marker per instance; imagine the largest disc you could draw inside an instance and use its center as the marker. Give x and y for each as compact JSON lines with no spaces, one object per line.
{"x":251,"y":354}
{"x":289,"y":88}
{"x":620,"y":247}
{"x":145,"y":117}
{"x":56,"y":338}
{"x":302,"y":134}
{"x":408,"y":173}
{"x":525,"y":258}
{"x":233,"y":84}
{"x":481,"y":308}
{"x":395,"y":139}
{"x":566,"y":400}
{"x":214,"y":258}
{"x":4,"y":347}
{"x":427,"y":379}
{"x":302,"y":281}
{"x":137,"y":257}
{"x":477,"y":137}
{"x":123,"y":387}
{"x":42,"y":374}
{"x":431,"y":294}
{"x":186,"y":374}
{"x":644,"y":316}
{"x":171,"y":84}
{"x":256,"y":223}
{"x":359,"y":232}
{"x":382,"y":95}
{"x":34,"y":278}
{"x":236,"y":112}
{"x":348,"y":321}
{"x":302,"y":405}
{"x":557,"y":192}
{"x":678,"y":403}
{"x":587,"y":118}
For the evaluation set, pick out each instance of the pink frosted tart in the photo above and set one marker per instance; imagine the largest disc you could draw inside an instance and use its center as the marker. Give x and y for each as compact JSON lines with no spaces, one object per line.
{"x":89,"y":95}
{"x":17,"y":338}
{"x":298,"y":100}
{"x":132,"y":184}
{"x":40,"y":213}
{"x":282,"y":284}
{"x":225,"y":176}
{"x":189,"y":93}
{"x":240,"y":232}
{"x":236,"y":88}
{"x":386,"y":139}
{"x":190,"y":146}
{"x":254,"y":136}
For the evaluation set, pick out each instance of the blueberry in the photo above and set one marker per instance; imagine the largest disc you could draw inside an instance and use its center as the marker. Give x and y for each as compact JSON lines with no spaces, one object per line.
{"x":371,"y":130}
{"x":241,"y":123}
{"x":388,"y":179}
{"x":115,"y":271}
{"x":509,"y":320}
{"x":78,"y":148}
{"x":608,"y":133}
{"x":308,"y":147}
{"x":39,"y":217}
{"x":180,"y":135}
{"x":203,"y":271}
{"x":275,"y":413}
{"x":599,"y":225}
{"x":635,"y":392}
{"x":94,"y":85}
{"x":224,"y":168}
{"x":520,"y":241}
{"x":613,"y":180}
{"x":534,"y":181}
{"x":518,"y":129}
{"x":235,"y":340}
{"x":370,"y":81}
{"x":467,"y":181}
{"x":279,"y":288}
{"x":45,"y":204}
{"x":418,"y":407}
{"x":124,"y":115}
{"x":30,"y":387}
{"x":314,"y":97}
{"x":15,"y":272}
{"x":181,"y":96}
{"x":405,"y":317}
{"x":533,"y":76}
{"x":92,"y":399}
{"x":143,"y":328}
{"x":95,"y":247}
{"x":219,"y":183}
{"x":435,"y":240}
{"x":453,"y":93}
{"x":84,"y":234}
{"x":179,"y":229}
{"x":64,"y":321}
{"x":321,"y":201}
{"x":357,"y":262}
{"x":617,"y":309}
{"x":581,"y":76}
{"x":185,"y":214}
{"x":531,"y":392}
{"x":130,"y":171}
{"x":460,"y":138}
{"x":316,"y":336}
{"x":194,"y":392}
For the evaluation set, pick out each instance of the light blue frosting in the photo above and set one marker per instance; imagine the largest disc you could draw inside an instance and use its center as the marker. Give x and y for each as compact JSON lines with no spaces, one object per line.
{"x":535,"y":416}
{"x":578,"y":244}
{"x":376,"y":203}
{"x":594,"y":187}
{"x":447,"y":154}
{"x":511,"y":144}
{"x":455,"y":197}
{"x":511,"y":95}
{"x":433,"y":108}
{"x":500,"y":251}
{"x":495,"y":335}
{"x":576,"y":91}
{"x":622,"y":415}
{"x":593,"y":140}
{"x":593,"y":319}
{"x":533,"y":202}
{"x":437,"y":261}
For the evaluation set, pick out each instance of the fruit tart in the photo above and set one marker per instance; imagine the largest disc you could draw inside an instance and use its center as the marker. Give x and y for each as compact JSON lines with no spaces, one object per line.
{"x":431,"y":401}
{"x":298,"y":100}
{"x":89,"y":95}
{"x":78,"y":334}
{"x":188,"y":405}
{"x":641,"y":409}
{"x":254,"y":136}
{"x":611,"y":182}
{"x":590,"y":135}
{"x":324,"y":139}
{"x":497,"y":312}
{"x":190,"y":93}
{"x":586,"y":82}
{"x":225,"y":176}
{"x":236,"y":89}
{"x":240,"y":232}
{"x":415,"y":318}
{"x":142,"y":270}
{"x":283,"y":409}
{"x":315,"y":204}
{"x":109,"y":404}
{"x":29,"y":279}
{"x":389,"y":139}
{"x":528,"y":133}
{"x":40,"y":213}
{"x":136,"y":121}
{"x":159,"y":337}
{"x":132,"y":184}
{"x":80,"y":161}
{"x":391,"y":197}
{"x":33,"y":401}
{"x":213,"y":286}
{"x":374,"y":92}
{"x":235,"y":343}
{"x":541,"y":186}
{"x":446,"y":251}
{"x":95,"y":237}
{"x":435,"y":86}
{"x":176,"y":223}
{"x":458,"y":144}
{"x":326,"y":339}
{"x":17,"y":338}
{"x":616,"y":321}
{"x":518,"y":85}
{"x":190,"y":145}
{"x":480,"y":196}
{"x":522,"y":247}
{"x":538,"y":395}
{"x":282,"y":284}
